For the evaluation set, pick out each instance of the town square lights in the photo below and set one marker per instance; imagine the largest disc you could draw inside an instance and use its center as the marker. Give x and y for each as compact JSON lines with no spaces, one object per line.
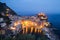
{"x":32,"y":25}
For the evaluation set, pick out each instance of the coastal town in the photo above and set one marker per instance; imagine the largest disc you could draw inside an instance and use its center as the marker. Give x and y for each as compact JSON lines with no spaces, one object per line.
{"x":12,"y":24}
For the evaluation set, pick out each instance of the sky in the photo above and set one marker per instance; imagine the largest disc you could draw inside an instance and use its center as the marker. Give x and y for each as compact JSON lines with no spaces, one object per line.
{"x":28,"y":7}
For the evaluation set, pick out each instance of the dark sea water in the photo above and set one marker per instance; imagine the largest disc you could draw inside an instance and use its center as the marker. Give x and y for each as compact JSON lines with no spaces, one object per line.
{"x":55,"y":20}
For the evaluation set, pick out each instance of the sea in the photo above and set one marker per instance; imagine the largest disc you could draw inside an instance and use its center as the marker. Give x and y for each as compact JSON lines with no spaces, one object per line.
{"x":55,"y":20}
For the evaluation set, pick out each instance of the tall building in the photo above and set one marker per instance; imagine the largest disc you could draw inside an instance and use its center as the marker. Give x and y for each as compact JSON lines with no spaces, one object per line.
{"x":42,"y":16}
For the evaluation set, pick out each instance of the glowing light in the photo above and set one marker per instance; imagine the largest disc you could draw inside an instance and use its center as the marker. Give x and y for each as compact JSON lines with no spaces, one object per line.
{"x":7,"y":14}
{"x":31,"y":29}
{"x":46,"y":23}
{"x":38,"y":30}
{"x":35,"y":30}
{"x":26,"y":29}
{"x":16,"y":23}
{"x":7,"y":9}
{"x":27,"y":23}
{"x":12,"y":28}
{"x":30,"y":24}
